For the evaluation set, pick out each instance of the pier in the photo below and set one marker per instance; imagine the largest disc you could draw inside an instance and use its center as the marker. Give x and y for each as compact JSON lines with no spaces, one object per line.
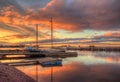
{"x":44,"y":58}
{"x":45,"y":62}
{"x":62,"y":54}
{"x":5,"y":53}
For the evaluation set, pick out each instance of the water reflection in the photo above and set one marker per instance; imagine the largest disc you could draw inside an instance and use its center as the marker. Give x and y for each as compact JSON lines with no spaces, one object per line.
{"x":87,"y":67}
{"x":83,"y":73}
{"x":77,"y":72}
{"x":89,"y":57}
{"x":37,"y":73}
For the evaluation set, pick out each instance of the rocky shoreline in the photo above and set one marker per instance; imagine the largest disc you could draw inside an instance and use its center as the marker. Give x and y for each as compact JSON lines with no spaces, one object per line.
{"x":11,"y":74}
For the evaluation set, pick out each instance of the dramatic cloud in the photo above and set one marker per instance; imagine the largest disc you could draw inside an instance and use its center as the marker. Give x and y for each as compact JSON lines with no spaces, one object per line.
{"x":76,"y":15}
{"x":69,"y":15}
{"x":6,"y":3}
{"x":34,"y":4}
{"x":109,"y":36}
{"x":10,"y":13}
{"x":63,"y":40}
{"x":112,"y":38}
{"x":12,"y":21}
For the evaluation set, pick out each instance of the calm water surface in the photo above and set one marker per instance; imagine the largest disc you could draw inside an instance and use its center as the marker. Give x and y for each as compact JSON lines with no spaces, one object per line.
{"x":87,"y":67}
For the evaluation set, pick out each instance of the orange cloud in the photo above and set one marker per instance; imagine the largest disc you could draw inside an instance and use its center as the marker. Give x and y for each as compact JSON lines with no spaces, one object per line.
{"x":76,"y":15}
{"x":71,"y":15}
{"x":108,"y":34}
{"x":112,"y":34}
{"x":9,"y":15}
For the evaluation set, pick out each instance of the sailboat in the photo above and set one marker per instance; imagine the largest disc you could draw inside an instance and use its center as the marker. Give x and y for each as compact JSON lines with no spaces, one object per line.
{"x":35,"y":50}
{"x":53,"y":49}
{"x":50,"y":51}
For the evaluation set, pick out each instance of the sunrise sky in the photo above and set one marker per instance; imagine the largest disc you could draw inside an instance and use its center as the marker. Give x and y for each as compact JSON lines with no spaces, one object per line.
{"x":75,"y":21}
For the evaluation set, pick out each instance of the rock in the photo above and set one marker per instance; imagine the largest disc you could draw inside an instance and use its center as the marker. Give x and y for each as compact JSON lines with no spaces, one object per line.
{"x":11,"y":74}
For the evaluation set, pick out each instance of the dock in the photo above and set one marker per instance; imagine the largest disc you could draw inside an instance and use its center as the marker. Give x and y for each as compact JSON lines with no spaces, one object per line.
{"x":62,"y":54}
{"x":44,"y":62}
{"x":4,"y":54}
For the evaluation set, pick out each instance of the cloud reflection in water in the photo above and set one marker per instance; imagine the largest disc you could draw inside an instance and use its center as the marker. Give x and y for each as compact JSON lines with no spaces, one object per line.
{"x":83,"y":73}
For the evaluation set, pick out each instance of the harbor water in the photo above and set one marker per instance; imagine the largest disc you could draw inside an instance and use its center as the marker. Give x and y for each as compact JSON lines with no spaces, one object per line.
{"x":88,"y":66}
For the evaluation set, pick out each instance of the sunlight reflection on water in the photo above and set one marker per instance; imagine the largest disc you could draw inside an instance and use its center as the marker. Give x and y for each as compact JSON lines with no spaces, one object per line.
{"x":87,"y":67}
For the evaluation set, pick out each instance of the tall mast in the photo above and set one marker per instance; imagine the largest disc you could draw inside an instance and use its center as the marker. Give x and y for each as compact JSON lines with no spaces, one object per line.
{"x":37,"y":36}
{"x":51,"y":32}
